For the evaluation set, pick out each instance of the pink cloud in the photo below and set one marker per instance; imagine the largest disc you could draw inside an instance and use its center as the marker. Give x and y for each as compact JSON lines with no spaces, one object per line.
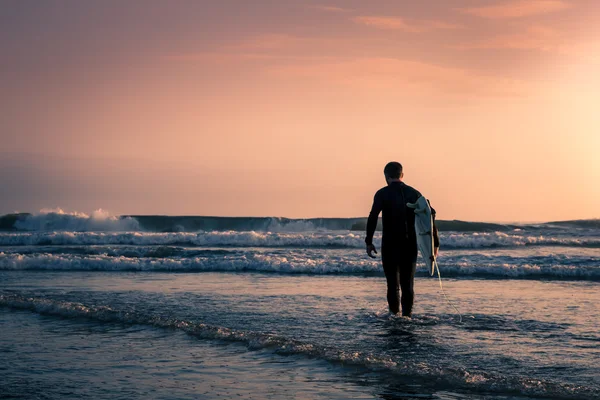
{"x":268,"y":42}
{"x":401,"y":24}
{"x":412,"y":78}
{"x":330,"y":9}
{"x":517,"y":9}
{"x":532,"y":38}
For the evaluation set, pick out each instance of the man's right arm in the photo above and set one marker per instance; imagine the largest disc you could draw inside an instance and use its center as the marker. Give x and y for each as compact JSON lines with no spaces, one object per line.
{"x":436,"y":235}
{"x":373,"y":217}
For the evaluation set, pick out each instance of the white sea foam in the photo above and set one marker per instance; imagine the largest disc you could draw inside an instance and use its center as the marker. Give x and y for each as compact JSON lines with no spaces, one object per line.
{"x":227,"y":238}
{"x":477,"y":240}
{"x":278,"y":239}
{"x":242,"y":262}
{"x":294,"y":263}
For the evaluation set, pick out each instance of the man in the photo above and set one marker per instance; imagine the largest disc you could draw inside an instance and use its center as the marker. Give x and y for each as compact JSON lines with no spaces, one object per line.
{"x":399,"y":239}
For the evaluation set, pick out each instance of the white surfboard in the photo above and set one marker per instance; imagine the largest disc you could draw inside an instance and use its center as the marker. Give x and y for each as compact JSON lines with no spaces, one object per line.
{"x":424,"y":229}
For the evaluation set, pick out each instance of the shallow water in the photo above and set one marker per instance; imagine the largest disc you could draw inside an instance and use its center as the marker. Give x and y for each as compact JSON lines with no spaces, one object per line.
{"x":292,"y":308}
{"x":517,"y":338}
{"x":65,"y":359}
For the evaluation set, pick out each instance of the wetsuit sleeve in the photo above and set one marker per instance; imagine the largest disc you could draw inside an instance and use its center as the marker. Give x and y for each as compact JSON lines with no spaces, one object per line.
{"x":373,"y":217}
{"x":436,"y":236}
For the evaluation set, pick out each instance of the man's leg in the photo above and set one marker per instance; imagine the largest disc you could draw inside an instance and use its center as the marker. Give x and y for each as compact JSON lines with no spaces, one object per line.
{"x":391,"y":264}
{"x":407,"y":268}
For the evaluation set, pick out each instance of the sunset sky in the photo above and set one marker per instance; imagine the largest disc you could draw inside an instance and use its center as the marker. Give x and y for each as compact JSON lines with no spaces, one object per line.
{"x":292,"y":108}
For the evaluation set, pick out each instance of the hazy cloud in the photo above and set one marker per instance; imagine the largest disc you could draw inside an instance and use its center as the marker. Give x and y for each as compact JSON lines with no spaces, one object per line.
{"x":407,"y":77}
{"x":273,"y":41}
{"x":332,"y":9}
{"x":517,"y":9}
{"x":532,"y":38}
{"x":402,"y":24}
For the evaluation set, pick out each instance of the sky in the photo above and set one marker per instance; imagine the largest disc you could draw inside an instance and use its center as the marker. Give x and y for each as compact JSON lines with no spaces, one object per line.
{"x":292,"y":108}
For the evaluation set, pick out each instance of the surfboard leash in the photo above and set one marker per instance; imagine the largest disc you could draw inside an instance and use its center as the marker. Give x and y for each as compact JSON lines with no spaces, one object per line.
{"x":437,"y":268}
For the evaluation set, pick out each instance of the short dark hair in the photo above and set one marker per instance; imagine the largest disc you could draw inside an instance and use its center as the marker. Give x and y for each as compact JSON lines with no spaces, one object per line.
{"x":393,"y":170}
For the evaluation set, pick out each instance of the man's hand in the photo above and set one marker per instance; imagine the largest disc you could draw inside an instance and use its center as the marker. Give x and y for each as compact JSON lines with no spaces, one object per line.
{"x":370,"y":250}
{"x":435,"y":252}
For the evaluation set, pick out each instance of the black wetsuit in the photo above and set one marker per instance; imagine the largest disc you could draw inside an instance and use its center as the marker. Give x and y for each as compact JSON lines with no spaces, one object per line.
{"x":399,"y":242}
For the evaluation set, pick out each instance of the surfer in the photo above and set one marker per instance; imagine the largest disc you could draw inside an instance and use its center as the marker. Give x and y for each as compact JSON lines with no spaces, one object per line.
{"x":399,"y":239}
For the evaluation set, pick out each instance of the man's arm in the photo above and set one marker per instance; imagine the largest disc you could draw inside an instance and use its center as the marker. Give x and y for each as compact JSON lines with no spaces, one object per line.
{"x":436,"y":236}
{"x":373,"y":217}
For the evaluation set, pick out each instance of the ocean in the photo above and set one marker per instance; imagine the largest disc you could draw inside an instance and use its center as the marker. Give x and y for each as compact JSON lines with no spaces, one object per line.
{"x":99,"y":306}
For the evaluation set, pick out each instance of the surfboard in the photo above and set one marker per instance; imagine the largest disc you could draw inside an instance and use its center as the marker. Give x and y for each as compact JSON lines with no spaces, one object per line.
{"x":424,"y":229}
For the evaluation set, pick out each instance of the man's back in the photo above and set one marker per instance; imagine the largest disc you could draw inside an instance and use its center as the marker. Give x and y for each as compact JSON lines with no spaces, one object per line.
{"x":398,"y":220}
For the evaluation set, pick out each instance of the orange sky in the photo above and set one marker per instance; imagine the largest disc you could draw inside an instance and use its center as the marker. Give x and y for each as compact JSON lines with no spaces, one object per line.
{"x":292,"y":108}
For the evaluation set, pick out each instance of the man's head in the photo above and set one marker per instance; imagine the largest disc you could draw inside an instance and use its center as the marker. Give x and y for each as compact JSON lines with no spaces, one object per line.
{"x":393,"y":172}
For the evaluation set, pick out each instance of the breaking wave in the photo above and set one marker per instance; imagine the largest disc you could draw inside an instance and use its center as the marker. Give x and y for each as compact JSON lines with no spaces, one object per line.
{"x":100,"y":220}
{"x":317,"y":239}
{"x":292,"y":263}
{"x":57,"y":219}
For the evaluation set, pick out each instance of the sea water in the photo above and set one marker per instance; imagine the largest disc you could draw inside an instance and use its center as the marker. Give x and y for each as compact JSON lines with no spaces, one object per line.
{"x":268,"y":308}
